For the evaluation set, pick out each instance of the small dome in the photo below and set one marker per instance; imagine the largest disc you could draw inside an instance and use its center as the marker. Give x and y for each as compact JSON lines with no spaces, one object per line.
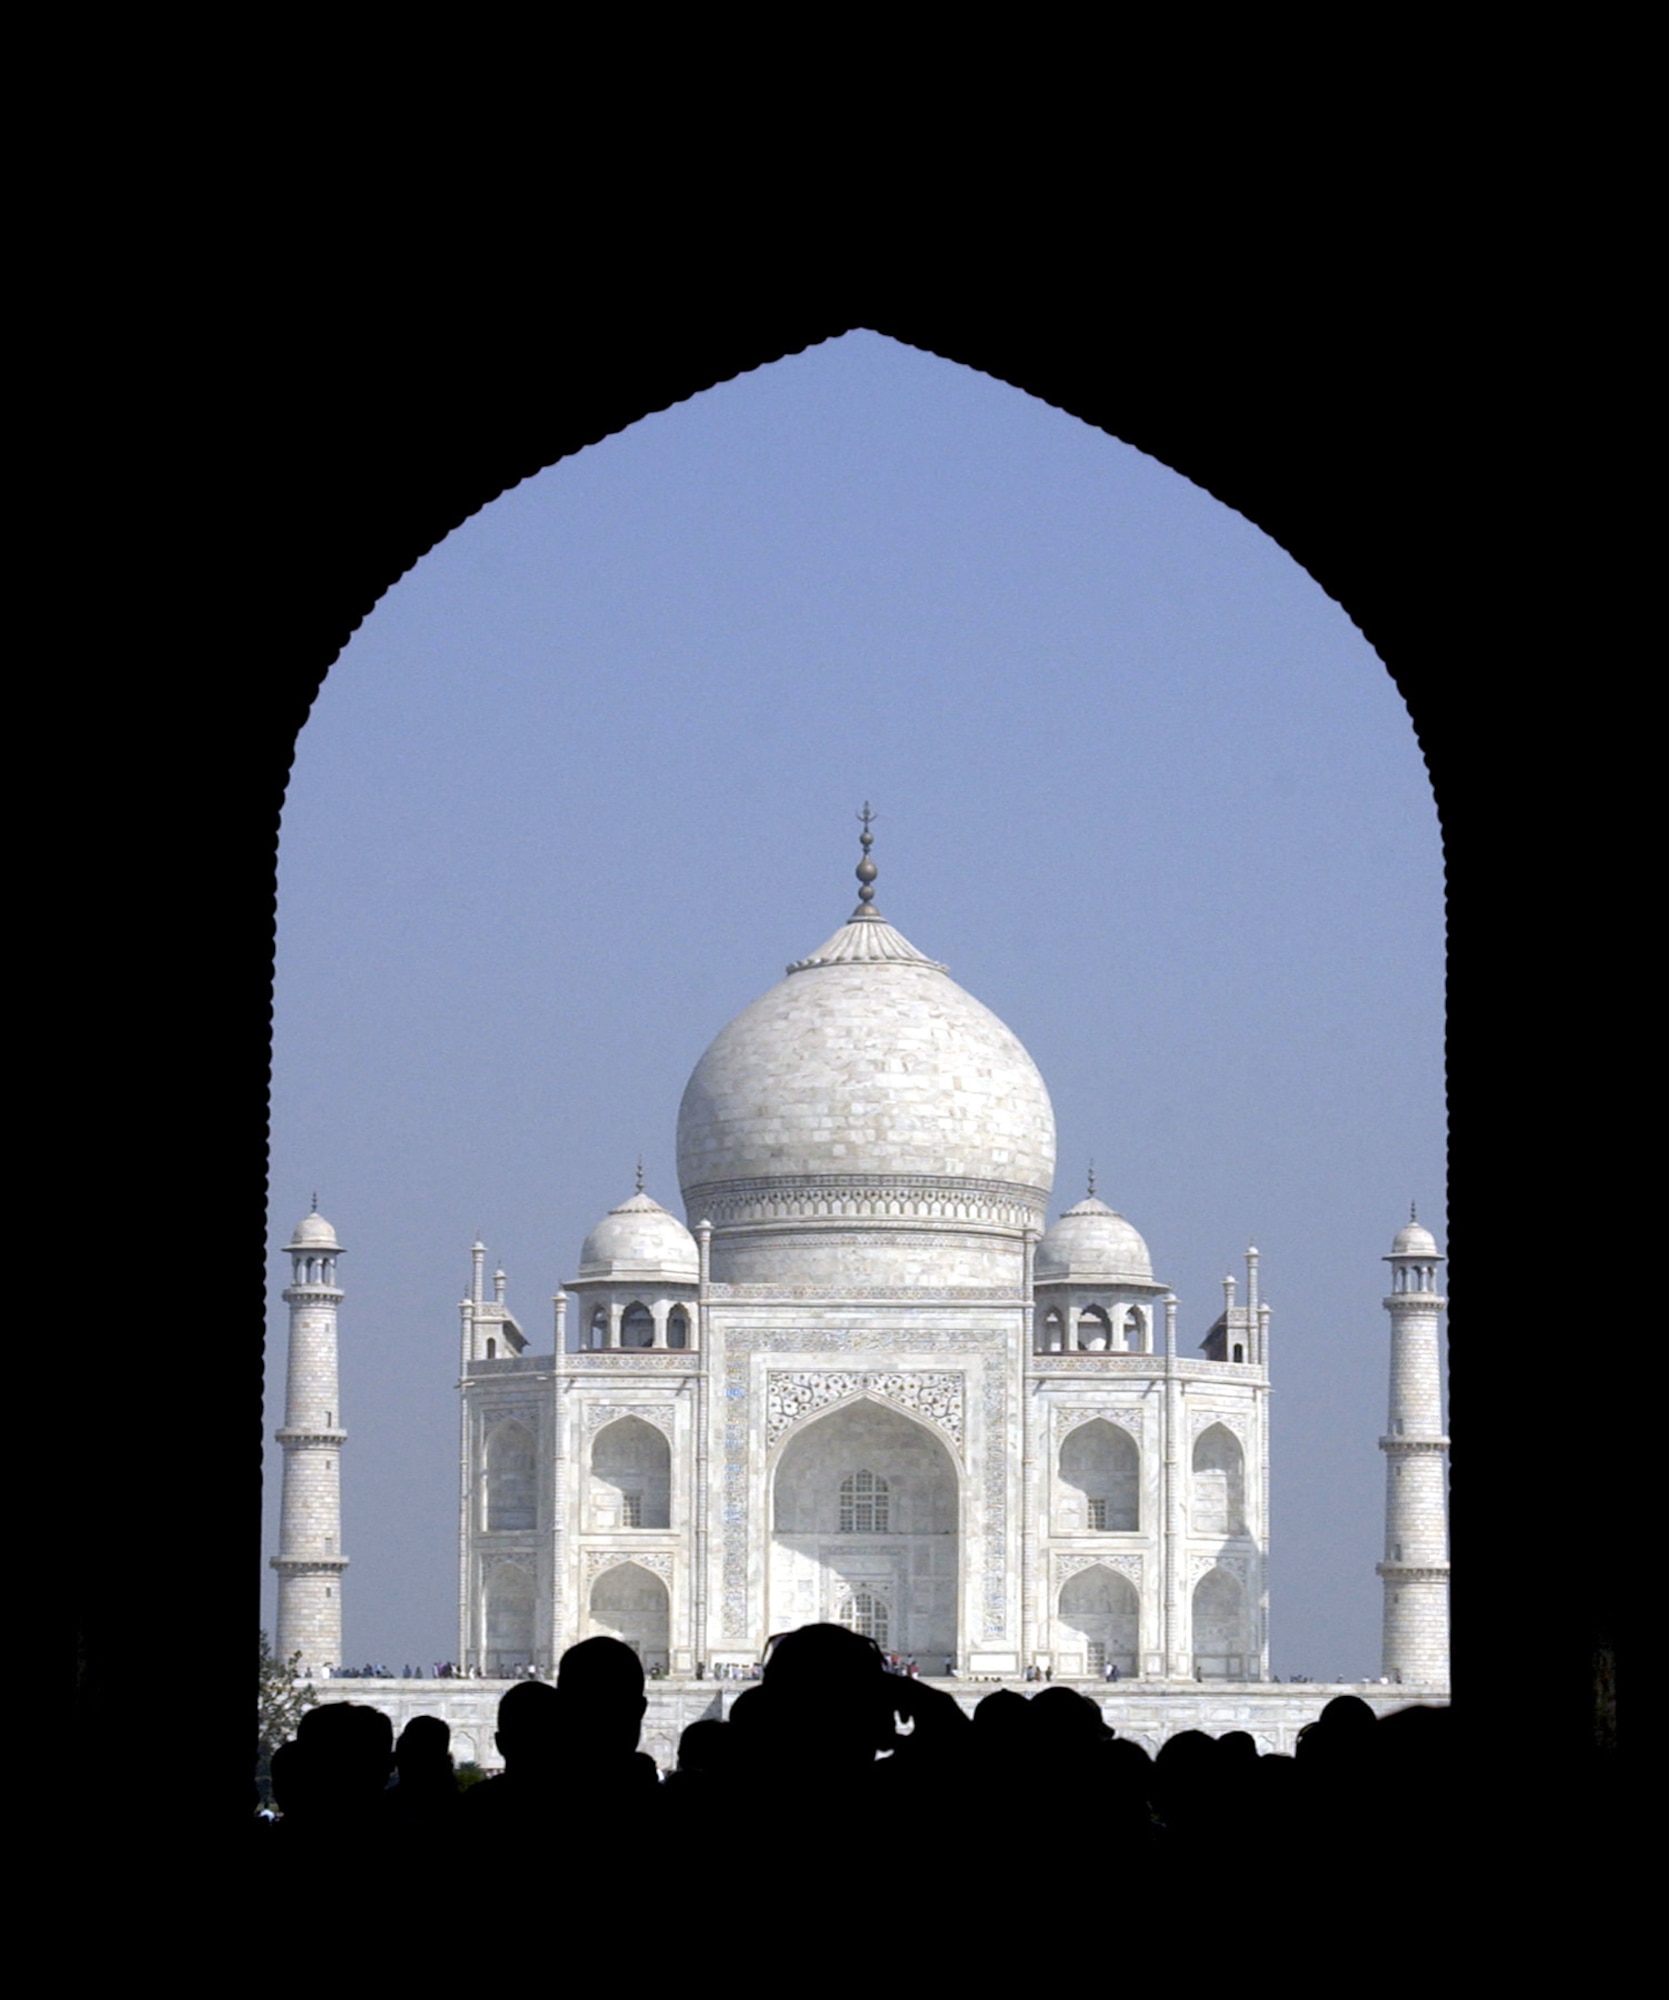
{"x":1093,"y":1244}
{"x":313,"y":1233}
{"x":1414,"y":1240}
{"x":639,"y":1239}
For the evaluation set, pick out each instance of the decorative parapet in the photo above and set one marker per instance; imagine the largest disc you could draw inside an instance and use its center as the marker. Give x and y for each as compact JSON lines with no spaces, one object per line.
{"x":1040,"y":1367}
{"x":612,"y":1360}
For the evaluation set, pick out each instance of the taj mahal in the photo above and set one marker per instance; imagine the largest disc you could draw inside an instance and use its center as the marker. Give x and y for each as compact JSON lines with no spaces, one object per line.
{"x":866,"y":1380}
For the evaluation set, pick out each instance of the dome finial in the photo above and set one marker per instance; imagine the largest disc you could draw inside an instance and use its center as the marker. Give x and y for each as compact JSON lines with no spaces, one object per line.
{"x":866,"y":871}
{"x":1092,"y":1179}
{"x":640,"y":1173}
{"x":315,"y":1201}
{"x":1413,"y":1213}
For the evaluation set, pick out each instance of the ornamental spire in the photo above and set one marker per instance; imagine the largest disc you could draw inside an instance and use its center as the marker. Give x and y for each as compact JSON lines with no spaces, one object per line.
{"x":866,"y":871}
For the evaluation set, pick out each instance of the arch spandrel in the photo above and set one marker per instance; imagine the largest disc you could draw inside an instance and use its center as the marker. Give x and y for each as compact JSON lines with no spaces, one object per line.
{"x":933,"y":1398}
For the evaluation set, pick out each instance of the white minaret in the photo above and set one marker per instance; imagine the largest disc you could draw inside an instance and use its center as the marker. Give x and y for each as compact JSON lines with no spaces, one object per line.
{"x":1416,"y":1565}
{"x":310,"y":1561}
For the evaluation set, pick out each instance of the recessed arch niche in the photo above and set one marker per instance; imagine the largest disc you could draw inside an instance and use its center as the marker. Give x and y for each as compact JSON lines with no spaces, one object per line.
{"x":836,"y":1479}
{"x":630,"y":1603}
{"x":631,"y":1476}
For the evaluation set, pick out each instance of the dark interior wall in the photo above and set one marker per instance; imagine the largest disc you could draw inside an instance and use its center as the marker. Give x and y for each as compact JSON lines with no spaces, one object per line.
{"x":273,"y":443}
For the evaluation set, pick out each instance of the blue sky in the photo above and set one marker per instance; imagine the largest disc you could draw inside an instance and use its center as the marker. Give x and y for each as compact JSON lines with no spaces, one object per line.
{"x":586,"y":781}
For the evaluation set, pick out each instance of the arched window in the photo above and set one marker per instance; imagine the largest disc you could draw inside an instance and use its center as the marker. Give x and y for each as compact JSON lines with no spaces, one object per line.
{"x":1135,"y":1330}
{"x":678,"y":1328}
{"x":863,"y":1504}
{"x":599,"y":1326}
{"x":1053,"y":1337}
{"x":1095,"y":1333}
{"x":637,"y":1327}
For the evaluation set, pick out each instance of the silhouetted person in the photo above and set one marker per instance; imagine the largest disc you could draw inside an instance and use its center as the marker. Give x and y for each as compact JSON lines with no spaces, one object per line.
{"x":425,"y":1796}
{"x":571,"y":1750}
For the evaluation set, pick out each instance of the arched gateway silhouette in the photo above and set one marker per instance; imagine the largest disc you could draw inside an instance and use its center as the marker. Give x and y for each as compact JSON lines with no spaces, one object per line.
{"x":407,"y":490}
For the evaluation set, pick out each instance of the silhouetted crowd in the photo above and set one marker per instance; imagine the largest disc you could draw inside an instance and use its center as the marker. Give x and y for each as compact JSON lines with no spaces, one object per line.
{"x":830,"y":1762}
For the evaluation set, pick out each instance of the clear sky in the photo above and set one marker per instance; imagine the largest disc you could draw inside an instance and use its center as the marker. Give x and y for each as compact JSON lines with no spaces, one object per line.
{"x":586,"y":780}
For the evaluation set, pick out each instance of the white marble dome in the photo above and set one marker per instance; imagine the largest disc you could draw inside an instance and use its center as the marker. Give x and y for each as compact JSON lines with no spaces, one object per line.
{"x":866,"y":1089}
{"x":1413,"y":1239}
{"x":640,"y":1240}
{"x":314,"y":1233}
{"x":1092,"y":1244}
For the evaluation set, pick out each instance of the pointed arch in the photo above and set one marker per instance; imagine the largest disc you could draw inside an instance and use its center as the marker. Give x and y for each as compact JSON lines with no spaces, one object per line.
{"x":866,"y":1525}
{"x":1219,"y":1485}
{"x":1099,"y":1622}
{"x":1221,"y":1648}
{"x":1095,"y":1331}
{"x":631,"y":1476}
{"x":1099,"y":1480}
{"x":632,"y":1604}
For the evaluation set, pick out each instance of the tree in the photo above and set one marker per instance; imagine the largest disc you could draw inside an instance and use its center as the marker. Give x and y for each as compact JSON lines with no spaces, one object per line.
{"x":284,"y":1698}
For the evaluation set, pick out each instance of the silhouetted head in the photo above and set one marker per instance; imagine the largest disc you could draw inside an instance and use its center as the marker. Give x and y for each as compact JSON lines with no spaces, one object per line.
{"x":425,"y":1745}
{"x":1000,"y":1717}
{"x":600,"y":1686}
{"x":1348,"y":1712}
{"x":1238,"y":1747}
{"x":1062,"y":1719}
{"x":827,"y":1699}
{"x":347,"y":1752}
{"x":703,"y":1745}
{"x":529,"y":1726}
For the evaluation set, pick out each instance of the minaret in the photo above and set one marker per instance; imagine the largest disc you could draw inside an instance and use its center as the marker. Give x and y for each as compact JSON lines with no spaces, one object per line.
{"x":1416,"y":1565}
{"x":310,"y":1561}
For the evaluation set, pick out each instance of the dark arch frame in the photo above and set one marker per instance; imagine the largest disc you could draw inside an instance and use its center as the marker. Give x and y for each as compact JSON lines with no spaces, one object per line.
{"x":293,"y":477}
